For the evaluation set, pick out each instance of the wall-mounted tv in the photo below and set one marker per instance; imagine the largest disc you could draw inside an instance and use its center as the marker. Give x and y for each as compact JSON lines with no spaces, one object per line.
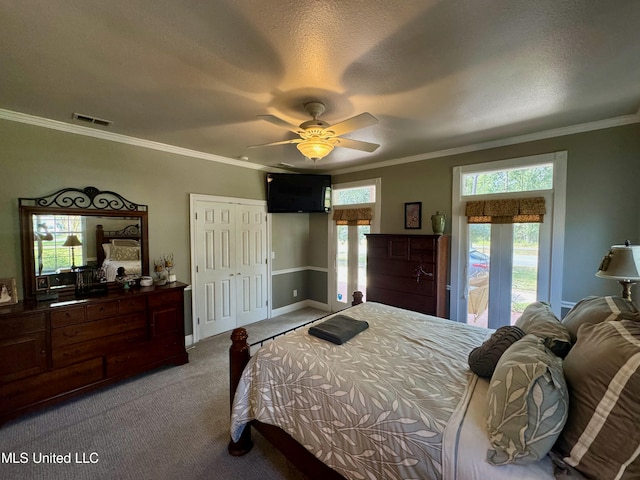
{"x":291,"y":192}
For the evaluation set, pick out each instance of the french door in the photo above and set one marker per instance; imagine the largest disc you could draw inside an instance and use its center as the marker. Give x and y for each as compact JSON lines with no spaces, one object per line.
{"x":497,"y":269}
{"x":348,"y":243}
{"x":505,"y":274}
{"x":351,"y":263}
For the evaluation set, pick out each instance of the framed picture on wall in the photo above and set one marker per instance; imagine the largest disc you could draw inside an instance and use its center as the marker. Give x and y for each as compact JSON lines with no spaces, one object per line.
{"x":413,"y":215}
{"x":8,"y":291}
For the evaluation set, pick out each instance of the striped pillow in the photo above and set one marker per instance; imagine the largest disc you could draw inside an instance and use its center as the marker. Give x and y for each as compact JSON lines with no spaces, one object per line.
{"x":596,"y":310}
{"x":601,"y":438}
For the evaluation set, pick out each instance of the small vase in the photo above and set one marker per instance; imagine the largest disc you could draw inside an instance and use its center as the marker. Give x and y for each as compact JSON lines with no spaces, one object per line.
{"x":437,"y":223}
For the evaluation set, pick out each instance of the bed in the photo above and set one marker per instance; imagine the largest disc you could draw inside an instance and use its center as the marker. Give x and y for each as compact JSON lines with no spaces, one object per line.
{"x":119,"y":248}
{"x":400,"y":401}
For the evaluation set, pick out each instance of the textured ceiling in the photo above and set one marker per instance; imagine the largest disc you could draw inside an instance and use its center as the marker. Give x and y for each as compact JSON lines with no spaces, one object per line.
{"x":437,"y":74}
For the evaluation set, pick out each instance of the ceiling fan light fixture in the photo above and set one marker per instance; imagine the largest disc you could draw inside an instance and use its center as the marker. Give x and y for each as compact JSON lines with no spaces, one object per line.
{"x":315,"y":148}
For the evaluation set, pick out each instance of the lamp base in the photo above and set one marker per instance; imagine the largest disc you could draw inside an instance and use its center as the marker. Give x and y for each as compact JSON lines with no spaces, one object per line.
{"x":626,"y":289}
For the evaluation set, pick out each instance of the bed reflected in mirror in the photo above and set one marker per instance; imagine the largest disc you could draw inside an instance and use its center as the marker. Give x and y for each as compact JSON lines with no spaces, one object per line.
{"x":94,"y":231}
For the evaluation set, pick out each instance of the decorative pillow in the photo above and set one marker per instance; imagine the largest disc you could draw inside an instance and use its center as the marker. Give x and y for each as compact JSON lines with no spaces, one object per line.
{"x":527,"y":400}
{"x":601,"y":438}
{"x":596,"y":310}
{"x":125,"y":242}
{"x":538,"y":319}
{"x":483,"y":359}
{"x":106,"y":247}
{"x":125,"y":253}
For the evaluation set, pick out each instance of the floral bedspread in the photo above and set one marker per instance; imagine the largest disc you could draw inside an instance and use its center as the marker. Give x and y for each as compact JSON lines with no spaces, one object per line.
{"x":375,"y":407}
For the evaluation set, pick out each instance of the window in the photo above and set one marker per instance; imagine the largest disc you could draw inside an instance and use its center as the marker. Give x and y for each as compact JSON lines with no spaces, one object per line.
{"x":522,"y":179}
{"x":51,"y":233}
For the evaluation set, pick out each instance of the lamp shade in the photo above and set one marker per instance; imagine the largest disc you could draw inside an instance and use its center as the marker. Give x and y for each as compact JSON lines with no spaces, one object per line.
{"x":622,"y":263}
{"x":72,"y":241}
{"x":315,"y":148}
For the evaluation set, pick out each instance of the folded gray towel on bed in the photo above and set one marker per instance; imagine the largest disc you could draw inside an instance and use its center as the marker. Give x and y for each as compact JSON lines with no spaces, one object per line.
{"x":338,"y":329}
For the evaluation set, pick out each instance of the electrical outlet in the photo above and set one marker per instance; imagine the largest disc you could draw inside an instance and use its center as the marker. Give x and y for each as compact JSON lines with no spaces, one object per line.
{"x":295,"y":293}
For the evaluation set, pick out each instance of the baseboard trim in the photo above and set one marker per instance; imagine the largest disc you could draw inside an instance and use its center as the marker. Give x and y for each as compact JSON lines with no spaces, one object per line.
{"x":188,"y":340}
{"x":299,"y":305}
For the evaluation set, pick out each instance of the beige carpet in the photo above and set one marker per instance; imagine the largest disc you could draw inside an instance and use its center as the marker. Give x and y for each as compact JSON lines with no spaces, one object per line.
{"x":172,"y":423}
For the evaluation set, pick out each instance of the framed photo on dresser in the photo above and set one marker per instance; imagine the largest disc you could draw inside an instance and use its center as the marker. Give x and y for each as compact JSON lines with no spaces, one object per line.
{"x":8,"y":291}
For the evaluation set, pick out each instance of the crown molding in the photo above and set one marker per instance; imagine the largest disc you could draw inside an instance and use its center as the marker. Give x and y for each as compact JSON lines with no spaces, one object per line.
{"x":139,"y":142}
{"x":556,"y":132}
{"x":116,"y":137}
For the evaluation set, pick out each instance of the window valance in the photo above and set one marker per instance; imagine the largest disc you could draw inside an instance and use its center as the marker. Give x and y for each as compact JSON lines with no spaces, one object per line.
{"x":353,"y":216}
{"x":509,"y":210}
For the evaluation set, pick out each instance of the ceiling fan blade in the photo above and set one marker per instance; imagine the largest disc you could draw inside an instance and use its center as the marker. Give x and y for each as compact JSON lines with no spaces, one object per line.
{"x":280,"y":123}
{"x":283,"y":142}
{"x":356,"y":144}
{"x":354,"y":123}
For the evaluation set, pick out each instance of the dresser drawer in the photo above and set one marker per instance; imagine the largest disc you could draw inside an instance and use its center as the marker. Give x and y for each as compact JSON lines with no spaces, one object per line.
{"x":50,"y":384}
{"x":408,"y":301}
{"x":131,"y":305}
{"x":96,"y":348}
{"x":102,"y":310}
{"x":138,"y":359}
{"x":21,"y":324}
{"x":68,"y":316}
{"x":426,"y":285}
{"x":69,"y":335}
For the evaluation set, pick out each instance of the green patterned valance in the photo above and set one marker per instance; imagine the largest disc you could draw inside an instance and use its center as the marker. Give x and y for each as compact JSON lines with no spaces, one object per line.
{"x":353,"y":216}
{"x":511,"y":210}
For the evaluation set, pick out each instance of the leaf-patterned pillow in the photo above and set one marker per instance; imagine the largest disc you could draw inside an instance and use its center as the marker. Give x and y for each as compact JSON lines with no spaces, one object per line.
{"x":528,"y":403}
{"x":125,"y":253}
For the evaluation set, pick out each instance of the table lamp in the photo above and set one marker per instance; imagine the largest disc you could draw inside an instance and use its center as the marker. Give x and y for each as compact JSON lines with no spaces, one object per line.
{"x":72,"y":241}
{"x":622,"y":263}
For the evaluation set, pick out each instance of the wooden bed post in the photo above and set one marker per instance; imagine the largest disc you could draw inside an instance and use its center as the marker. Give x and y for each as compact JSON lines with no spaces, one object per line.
{"x":239,"y":355}
{"x":357,"y":298}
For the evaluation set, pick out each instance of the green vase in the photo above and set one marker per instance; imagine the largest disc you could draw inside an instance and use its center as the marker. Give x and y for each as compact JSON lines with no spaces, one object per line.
{"x":437,"y":223}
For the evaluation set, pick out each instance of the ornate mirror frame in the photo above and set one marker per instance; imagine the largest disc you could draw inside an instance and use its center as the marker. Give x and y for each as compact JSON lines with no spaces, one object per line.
{"x":88,"y":201}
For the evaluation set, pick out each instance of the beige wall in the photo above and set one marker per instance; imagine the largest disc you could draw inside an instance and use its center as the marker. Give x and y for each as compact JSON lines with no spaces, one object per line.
{"x":603,"y":198}
{"x":36,"y":161}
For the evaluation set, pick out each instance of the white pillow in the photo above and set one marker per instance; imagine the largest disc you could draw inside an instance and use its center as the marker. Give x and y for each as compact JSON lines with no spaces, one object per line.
{"x":106,"y":247}
{"x":125,"y":242}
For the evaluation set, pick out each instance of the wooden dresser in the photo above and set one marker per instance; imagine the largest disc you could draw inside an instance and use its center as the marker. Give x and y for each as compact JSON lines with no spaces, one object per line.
{"x":50,"y":352}
{"x":408,"y":271}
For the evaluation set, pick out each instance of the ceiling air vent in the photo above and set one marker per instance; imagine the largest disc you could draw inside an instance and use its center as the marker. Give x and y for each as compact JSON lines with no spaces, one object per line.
{"x":90,"y":119}
{"x":282,"y":165}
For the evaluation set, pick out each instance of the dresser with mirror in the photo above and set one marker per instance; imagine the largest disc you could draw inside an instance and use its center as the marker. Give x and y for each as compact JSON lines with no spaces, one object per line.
{"x":78,"y":326}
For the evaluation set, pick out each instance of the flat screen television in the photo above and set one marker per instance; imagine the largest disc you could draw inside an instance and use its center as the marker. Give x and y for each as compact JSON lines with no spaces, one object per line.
{"x":291,"y":192}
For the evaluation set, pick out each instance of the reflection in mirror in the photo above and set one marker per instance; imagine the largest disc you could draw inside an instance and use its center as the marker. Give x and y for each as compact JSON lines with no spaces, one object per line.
{"x":64,"y":243}
{"x":74,"y":231}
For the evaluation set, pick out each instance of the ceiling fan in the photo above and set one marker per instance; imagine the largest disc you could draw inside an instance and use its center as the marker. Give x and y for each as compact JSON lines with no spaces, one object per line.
{"x":318,"y":138}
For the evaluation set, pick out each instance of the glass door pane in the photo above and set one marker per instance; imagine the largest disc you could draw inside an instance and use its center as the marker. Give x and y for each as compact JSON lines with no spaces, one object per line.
{"x":478,"y":270}
{"x":502,"y":272}
{"x":342,"y":263}
{"x":526,"y":247}
{"x":362,"y":260}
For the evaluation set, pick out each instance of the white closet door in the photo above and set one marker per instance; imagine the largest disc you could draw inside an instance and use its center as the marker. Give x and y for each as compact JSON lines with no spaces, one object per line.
{"x":251,"y":272}
{"x":231,"y":280}
{"x":215,"y":244}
